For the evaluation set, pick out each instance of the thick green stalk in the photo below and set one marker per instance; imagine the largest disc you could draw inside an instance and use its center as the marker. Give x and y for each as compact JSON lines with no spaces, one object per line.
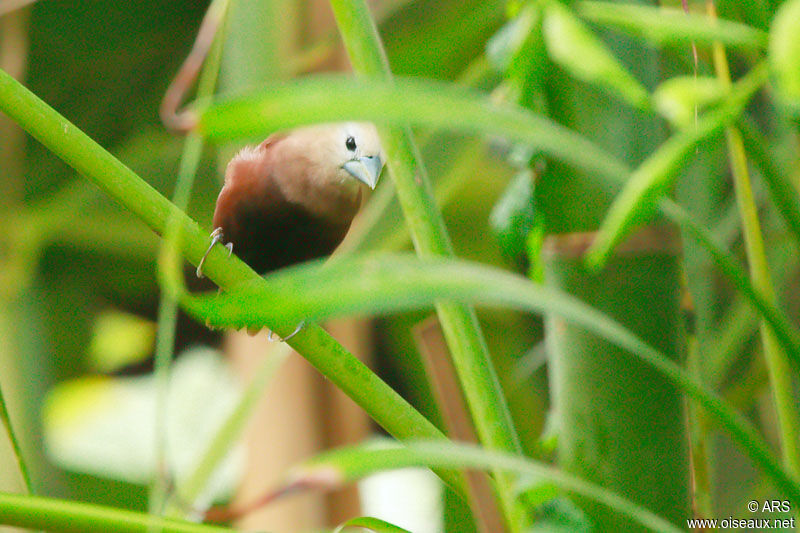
{"x":780,"y":370}
{"x":459,"y":323}
{"x":379,"y":400}
{"x":620,"y":423}
{"x":49,"y":514}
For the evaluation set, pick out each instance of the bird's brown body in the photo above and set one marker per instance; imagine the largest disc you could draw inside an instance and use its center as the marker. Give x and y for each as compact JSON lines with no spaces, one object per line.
{"x":289,"y":199}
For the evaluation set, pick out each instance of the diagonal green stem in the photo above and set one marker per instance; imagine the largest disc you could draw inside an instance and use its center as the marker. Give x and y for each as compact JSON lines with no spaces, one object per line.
{"x":471,"y":359}
{"x":39,"y":513}
{"x":783,"y":193}
{"x":780,"y":370}
{"x":69,"y":143}
{"x":5,"y":421}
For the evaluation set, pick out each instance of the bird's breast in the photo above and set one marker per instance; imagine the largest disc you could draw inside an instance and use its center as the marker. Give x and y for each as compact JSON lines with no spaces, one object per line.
{"x":269,"y":232}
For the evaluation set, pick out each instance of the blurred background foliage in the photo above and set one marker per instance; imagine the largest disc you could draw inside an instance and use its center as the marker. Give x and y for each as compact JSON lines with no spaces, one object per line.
{"x":74,"y":266}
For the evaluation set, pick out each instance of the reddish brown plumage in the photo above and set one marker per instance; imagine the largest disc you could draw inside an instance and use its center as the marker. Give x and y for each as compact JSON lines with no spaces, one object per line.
{"x":288,"y":199}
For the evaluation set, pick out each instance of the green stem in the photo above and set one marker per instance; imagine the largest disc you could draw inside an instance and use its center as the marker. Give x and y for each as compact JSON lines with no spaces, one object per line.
{"x":73,"y":146}
{"x":780,"y":370}
{"x":168,"y":306}
{"x":699,"y":438}
{"x":12,"y":437}
{"x":49,"y":514}
{"x":783,"y":192}
{"x":459,"y":323}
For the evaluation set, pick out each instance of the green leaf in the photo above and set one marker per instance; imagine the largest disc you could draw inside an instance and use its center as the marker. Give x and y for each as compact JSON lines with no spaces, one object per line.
{"x":120,"y":339}
{"x":51,"y":514}
{"x":679,"y":99}
{"x":391,"y":283}
{"x":352,"y":463}
{"x":560,"y":515}
{"x":509,"y":39}
{"x":573,"y":46}
{"x":513,"y":215}
{"x":655,"y":176}
{"x":784,"y":51}
{"x":518,"y":51}
{"x":418,"y":102}
{"x":373,"y":524}
{"x":662,"y":25}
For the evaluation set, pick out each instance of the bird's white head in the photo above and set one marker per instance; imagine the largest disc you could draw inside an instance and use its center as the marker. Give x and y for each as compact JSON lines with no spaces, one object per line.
{"x":339,"y":152}
{"x":363,"y":157}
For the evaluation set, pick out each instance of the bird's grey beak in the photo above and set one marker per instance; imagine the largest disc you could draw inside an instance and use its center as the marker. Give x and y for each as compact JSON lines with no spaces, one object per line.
{"x":365,"y":169}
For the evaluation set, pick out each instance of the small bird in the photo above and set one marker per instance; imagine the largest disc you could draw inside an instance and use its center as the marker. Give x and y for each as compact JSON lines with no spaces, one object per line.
{"x":292,"y":198}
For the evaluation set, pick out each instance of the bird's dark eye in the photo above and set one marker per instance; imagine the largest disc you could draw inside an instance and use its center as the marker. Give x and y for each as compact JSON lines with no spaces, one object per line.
{"x":350,"y":143}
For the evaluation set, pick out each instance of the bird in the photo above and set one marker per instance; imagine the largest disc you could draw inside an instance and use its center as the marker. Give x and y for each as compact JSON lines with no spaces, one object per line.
{"x":293,"y":197}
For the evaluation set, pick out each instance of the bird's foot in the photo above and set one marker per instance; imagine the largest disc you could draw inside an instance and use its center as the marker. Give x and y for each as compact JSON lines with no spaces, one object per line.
{"x":216,"y":236}
{"x":274,"y":338}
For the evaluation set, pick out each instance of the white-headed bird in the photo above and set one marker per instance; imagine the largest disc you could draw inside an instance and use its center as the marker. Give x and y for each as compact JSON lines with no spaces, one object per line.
{"x":292,"y":197}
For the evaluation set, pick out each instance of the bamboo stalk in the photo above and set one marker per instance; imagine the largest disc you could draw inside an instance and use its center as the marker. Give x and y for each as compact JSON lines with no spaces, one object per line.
{"x":620,"y":424}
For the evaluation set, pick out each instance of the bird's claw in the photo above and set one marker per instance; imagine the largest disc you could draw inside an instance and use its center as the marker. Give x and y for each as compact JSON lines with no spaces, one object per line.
{"x":216,"y":236}
{"x":271,"y":337}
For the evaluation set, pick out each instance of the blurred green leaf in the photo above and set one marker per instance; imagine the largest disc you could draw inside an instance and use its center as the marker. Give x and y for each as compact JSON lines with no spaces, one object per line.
{"x":573,"y":46}
{"x":51,"y":514}
{"x":438,"y":38}
{"x":513,"y":215}
{"x":560,"y":515}
{"x":509,"y":39}
{"x":120,"y":339}
{"x":392,"y":283}
{"x":518,"y":51}
{"x":349,"y":464}
{"x":424,"y":103}
{"x":784,"y":51}
{"x":654,"y":177}
{"x":680,"y":99}
{"x":663,"y":25}
{"x":370,"y":523}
